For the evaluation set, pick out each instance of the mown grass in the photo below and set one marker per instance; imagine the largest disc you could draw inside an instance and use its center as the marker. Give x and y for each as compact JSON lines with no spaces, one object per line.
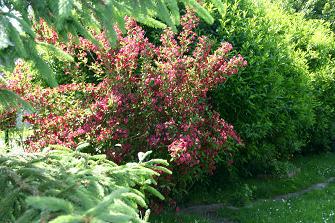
{"x":317,"y":206}
{"x":308,"y":170}
{"x":314,"y":206}
{"x":169,"y":217}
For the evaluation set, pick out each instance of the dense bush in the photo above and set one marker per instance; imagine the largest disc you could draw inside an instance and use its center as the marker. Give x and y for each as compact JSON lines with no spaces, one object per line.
{"x":317,"y":46}
{"x":323,"y":131}
{"x":313,"y":41}
{"x":65,"y":186}
{"x":272,"y":103}
{"x":137,"y":95}
{"x":313,"y":9}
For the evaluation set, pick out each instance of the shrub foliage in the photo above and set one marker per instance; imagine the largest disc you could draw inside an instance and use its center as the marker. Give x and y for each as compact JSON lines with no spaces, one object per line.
{"x":275,"y":103}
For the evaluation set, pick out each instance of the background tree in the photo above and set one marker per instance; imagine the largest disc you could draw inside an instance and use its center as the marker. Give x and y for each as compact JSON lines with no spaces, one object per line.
{"x":314,"y":9}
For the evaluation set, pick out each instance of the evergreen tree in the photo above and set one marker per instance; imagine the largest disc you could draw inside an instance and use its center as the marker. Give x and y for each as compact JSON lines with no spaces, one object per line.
{"x":60,"y":185}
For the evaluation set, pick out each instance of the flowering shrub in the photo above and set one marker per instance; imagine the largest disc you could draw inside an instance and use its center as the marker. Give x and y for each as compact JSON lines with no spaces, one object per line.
{"x":142,"y":97}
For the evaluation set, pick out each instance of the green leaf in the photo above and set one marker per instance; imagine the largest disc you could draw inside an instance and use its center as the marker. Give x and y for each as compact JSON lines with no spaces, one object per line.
{"x":164,"y":14}
{"x":107,"y":201}
{"x":49,"y":203}
{"x":119,"y":218}
{"x":222,"y":7}
{"x":135,"y":197}
{"x":58,"y":53}
{"x":26,"y":27}
{"x":44,"y":70}
{"x":154,"y":192}
{"x":142,"y":156}
{"x":150,"y":22}
{"x":173,"y":7}
{"x":161,"y":168}
{"x":106,"y":13}
{"x":9,"y":99}
{"x":4,"y":38}
{"x":68,"y":219}
{"x":201,"y":11}
{"x":121,"y":207}
{"x":27,"y":217}
{"x":8,"y":201}
{"x":64,"y":8}
{"x":80,"y":29}
{"x":157,"y":161}
{"x":142,"y":171}
{"x":146,"y":215}
{"x":119,"y":17}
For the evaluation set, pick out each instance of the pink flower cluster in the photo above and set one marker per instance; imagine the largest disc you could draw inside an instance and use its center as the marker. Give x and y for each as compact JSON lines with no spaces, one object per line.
{"x":149,"y":98}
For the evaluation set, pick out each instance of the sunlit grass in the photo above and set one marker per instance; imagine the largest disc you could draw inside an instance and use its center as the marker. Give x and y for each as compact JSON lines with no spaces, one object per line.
{"x":309,"y":170}
{"x":176,"y":218}
{"x":315,"y":206}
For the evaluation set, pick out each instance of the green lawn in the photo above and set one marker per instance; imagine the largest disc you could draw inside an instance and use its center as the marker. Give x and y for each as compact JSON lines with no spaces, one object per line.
{"x":309,"y":170}
{"x":315,"y":206}
{"x":176,"y":218}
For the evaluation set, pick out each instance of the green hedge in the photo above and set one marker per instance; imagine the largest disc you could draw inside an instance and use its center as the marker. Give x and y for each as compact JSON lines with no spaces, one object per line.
{"x":275,"y":103}
{"x":313,"y":9}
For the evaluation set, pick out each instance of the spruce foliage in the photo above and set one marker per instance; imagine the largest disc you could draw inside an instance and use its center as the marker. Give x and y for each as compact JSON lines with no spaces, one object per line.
{"x":9,"y":99}
{"x":78,"y":17}
{"x":60,"y":185}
